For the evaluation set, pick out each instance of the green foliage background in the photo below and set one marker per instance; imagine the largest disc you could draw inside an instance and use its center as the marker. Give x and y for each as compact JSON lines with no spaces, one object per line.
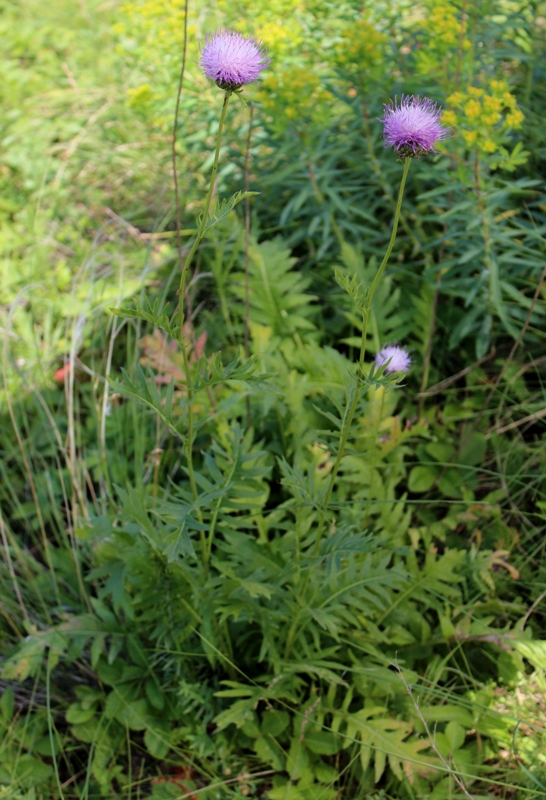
{"x":160,"y":642}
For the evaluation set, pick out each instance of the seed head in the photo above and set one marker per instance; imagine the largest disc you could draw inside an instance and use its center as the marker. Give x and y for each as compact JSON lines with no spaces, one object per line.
{"x":231,"y":60}
{"x":413,"y":126}
{"x":398,"y":357}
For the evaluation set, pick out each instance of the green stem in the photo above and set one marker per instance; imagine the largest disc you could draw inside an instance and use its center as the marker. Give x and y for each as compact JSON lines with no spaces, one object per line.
{"x":204,"y":219}
{"x":379,"y":273}
{"x":217,"y":510}
{"x":348,"y":421}
{"x":373,"y":453}
{"x":187,"y":367}
{"x":350,"y":412}
{"x":189,"y":449}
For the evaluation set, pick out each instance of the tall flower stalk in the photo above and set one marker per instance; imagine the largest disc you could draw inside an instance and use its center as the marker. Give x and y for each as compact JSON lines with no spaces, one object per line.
{"x":182,"y":291}
{"x":232,"y":61}
{"x":351,"y":408}
{"x":350,"y":411}
{"x":204,"y":217}
{"x":411,"y":127}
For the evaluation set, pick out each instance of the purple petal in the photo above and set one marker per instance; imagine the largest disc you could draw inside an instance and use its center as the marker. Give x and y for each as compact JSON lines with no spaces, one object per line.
{"x":413,"y":126}
{"x":231,"y":60}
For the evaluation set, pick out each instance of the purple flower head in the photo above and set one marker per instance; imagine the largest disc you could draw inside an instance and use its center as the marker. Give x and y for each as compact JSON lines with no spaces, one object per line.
{"x":231,"y":60}
{"x":413,"y":126}
{"x":400,"y":359}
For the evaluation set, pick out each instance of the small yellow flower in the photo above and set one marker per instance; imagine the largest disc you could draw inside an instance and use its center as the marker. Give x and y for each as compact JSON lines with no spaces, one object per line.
{"x":140,"y":95}
{"x":449,"y":117}
{"x":489,"y":146}
{"x":491,"y":119}
{"x":455,"y":99}
{"x":473,"y":109}
{"x":509,"y":99}
{"x":514,"y":119}
{"x":361,"y":46}
{"x":492,"y":103}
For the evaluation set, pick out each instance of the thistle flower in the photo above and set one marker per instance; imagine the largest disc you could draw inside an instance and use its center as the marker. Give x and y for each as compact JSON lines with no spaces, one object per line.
{"x":399,"y":358}
{"x":413,"y":126}
{"x":231,"y":60}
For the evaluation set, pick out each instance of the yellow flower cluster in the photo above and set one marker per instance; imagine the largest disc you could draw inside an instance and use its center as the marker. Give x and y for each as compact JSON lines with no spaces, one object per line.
{"x":155,"y":26}
{"x":151,"y":35}
{"x":441,"y":32}
{"x":276,"y":11}
{"x":483,"y":118}
{"x":140,"y":96}
{"x":361,"y":47}
{"x":280,"y":39}
{"x":294,"y":94}
{"x":275,"y":23}
{"x":442,"y":22}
